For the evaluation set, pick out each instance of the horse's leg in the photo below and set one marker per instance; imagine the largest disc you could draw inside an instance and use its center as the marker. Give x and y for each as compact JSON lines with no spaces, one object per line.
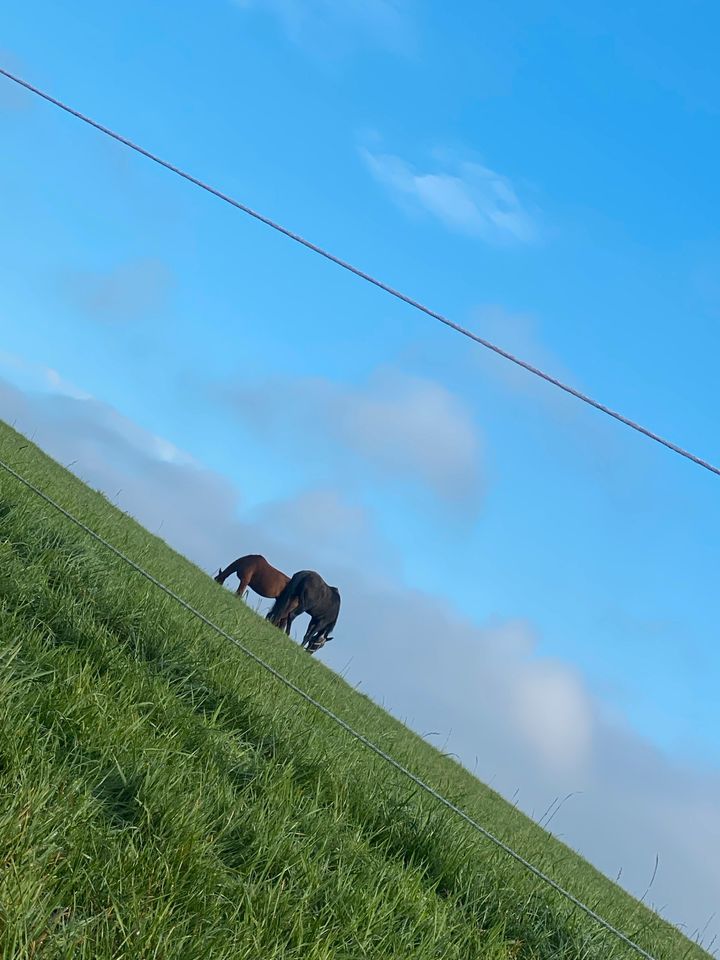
{"x":295,"y":612}
{"x":295,"y":608}
{"x":284,"y":623}
{"x":311,"y":633}
{"x":244,"y":582}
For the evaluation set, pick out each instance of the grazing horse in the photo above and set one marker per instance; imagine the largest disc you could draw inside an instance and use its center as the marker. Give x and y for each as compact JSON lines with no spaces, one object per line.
{"x":255,"y":572}
{"x":307,"y":592}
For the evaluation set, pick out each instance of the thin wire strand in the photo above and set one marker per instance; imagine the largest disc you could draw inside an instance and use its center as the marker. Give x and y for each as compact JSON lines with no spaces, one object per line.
{"x":333,"y":716}
{"x":369,"y":278}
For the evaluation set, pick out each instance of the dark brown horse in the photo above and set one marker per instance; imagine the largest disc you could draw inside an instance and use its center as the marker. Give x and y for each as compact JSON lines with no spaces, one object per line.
{"x":307,"y":592}
{"x":255,"y":572}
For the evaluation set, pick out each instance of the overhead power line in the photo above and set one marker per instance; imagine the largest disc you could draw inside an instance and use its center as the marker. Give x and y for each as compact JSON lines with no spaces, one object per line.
{"x":366,"y":276}
{"x":373,"y":747}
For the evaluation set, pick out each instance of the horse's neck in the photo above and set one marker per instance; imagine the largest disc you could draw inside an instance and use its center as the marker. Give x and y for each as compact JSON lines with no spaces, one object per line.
{"x":231,"y":568}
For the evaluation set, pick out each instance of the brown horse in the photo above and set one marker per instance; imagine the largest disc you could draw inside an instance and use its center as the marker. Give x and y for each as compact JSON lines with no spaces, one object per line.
{"x":255,"y":572}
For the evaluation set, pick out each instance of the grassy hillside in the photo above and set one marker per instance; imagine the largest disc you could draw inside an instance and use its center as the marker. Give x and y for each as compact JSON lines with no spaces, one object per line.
{"x":162,"y":796}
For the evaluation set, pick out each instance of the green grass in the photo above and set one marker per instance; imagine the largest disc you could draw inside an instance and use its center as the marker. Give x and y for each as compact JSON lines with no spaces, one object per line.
{"x":163,"y":796}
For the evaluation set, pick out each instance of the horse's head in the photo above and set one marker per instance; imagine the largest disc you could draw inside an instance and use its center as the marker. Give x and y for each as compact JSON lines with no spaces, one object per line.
{"x":317,"y":642}
{"x":218,"y":578}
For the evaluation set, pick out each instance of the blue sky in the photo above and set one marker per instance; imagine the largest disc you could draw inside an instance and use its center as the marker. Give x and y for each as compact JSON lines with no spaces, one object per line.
{"x":548,"y":178}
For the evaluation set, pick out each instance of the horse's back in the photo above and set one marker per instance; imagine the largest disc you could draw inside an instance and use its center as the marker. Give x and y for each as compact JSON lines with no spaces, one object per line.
{"x":257,"y":562}
{"x":249,"y":560}
{"x":303,"y":579}
{"x":319,"y":595}
{"x":265,"y":579}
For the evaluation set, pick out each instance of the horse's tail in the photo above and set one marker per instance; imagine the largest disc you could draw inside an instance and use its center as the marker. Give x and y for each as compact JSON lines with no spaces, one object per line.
{"x":281,"y":606}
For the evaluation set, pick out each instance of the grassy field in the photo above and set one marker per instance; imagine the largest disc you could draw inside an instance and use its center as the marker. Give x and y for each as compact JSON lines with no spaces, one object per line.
{"x":163,"y":796}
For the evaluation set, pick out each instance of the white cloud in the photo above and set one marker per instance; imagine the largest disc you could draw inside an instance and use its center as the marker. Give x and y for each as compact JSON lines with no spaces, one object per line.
{"x":470,"y":198}
{"x":402,"y":425}
{"x":529,"y":724}
{"x":323,"y":516}
{"x":552,"y":710}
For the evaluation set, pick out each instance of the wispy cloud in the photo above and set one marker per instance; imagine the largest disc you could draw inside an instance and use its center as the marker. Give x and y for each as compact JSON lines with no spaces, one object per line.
{"x":595,"y":442}
{"x":521,"y":334}
{"x":313,"y":22}
{"x":37,"y":378}
{"x":40,"y":385}
{"x":468,"y":198}
{"x":130,"y":291}
{"x":406,"y":426}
